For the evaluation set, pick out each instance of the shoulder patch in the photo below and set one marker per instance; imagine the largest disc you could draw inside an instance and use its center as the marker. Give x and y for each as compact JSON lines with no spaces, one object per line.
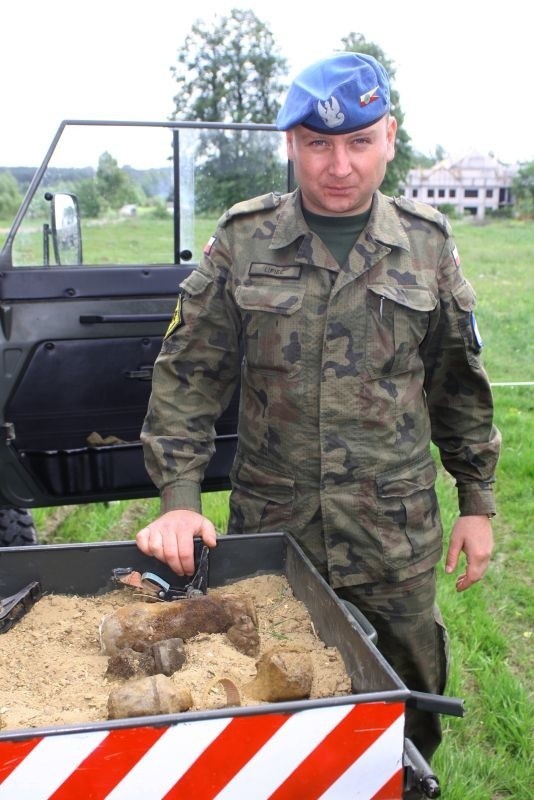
{"x":264,"y":202}
{"x":424,"y":211}
{"x":176,"y":319}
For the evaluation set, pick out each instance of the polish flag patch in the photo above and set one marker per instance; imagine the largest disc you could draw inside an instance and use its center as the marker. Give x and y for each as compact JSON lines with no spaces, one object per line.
{"x":209,"y":244}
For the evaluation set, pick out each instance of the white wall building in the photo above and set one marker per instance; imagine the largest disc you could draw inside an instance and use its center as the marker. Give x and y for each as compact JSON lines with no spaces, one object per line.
{"x":472,"y":184}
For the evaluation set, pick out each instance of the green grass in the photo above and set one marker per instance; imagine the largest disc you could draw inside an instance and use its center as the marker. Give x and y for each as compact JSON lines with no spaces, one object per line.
{"x":499,"y":260}
{"x":487,"y":755}
{"x":144,"y":239}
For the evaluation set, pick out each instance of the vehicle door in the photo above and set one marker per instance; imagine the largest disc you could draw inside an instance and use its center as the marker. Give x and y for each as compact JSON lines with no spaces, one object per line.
{"x":114,"y":219}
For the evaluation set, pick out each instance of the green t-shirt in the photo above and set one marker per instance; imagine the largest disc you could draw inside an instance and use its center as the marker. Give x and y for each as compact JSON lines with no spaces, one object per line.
{"x":339,"y":234}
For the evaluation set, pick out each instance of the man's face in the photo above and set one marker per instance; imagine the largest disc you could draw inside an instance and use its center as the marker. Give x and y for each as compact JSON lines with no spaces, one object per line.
{"x":338,"y":174}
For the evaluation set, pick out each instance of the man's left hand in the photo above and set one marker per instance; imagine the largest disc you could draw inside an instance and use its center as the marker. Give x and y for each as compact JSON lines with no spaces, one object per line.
{"x":472,"y":535}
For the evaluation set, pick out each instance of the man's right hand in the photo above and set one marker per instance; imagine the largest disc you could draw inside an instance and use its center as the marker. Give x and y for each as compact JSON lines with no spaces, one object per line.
{"x":170,"y":538}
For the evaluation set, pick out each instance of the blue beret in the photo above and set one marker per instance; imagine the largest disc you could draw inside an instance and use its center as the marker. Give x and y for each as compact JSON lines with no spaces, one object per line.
{"x":340,"y":94}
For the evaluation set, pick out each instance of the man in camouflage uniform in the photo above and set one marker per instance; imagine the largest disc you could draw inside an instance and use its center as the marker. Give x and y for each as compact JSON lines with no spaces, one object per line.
{"x":360,"y":347}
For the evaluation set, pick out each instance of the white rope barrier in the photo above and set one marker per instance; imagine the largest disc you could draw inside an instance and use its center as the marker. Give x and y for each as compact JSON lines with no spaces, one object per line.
{"x":512,"y":383}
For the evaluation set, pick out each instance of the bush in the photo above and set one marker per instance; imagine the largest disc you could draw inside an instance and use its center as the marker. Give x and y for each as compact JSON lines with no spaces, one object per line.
{"x":506,"y":212}
{"x":10,"y":195}
{"x":159,"y":210}
{"x":449,"y":210}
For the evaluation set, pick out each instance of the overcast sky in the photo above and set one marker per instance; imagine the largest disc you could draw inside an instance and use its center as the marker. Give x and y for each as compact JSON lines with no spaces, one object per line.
{"x":463,"y":67}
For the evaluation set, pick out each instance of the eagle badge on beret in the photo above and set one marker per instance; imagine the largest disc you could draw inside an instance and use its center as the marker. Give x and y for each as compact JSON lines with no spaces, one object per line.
{"x":330,"y":113}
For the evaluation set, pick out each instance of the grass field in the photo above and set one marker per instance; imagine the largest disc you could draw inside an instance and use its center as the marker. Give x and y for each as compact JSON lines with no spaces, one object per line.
{"x":143,"y":239}
{"x":487,"y":755}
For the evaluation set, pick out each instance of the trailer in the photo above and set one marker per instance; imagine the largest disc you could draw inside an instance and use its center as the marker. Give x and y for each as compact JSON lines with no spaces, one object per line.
{"x":333,"y":748}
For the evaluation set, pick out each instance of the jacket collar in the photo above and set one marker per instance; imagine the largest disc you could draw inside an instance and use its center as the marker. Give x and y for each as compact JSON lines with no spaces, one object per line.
{"x":291,"y":224}
{"x":384,"y":224}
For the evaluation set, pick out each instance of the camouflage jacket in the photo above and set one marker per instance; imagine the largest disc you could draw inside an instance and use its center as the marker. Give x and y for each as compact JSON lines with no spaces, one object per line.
{"x":347,"y":374}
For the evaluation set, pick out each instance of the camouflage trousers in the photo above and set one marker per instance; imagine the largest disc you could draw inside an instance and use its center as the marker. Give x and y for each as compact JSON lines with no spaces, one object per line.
{"x":412,"y":638}
{"x":411,"y":635}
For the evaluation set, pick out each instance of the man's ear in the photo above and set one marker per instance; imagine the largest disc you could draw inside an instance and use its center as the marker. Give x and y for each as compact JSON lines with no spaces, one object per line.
{"x":391,"y":133}
{"x":289,"y":144}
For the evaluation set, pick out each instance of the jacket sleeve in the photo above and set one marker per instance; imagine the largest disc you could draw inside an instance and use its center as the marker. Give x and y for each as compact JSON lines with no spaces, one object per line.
{"x":458,"y":391}
{"x":194,"y":378}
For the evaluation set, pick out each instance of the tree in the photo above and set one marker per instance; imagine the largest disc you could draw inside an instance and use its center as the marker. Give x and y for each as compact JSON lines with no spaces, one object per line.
{"x":89,"y":202}
{"x":238,"y":164}
{"x":398,"y":168}
{"x":428,"y":160}
{"x":112,"y":183}
{"x":10,"y":195}
{"x":523,"y":189}
{"x":231,"y":72}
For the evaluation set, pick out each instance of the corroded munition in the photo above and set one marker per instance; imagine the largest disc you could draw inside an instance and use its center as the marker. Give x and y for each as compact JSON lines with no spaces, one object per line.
{"x":146,"y":697}
{"x":169,"y":656}
{"x":282,"y":674}
{"x":161,"y":658}
{"x":141,"y":624}
{"x":127,"y":663}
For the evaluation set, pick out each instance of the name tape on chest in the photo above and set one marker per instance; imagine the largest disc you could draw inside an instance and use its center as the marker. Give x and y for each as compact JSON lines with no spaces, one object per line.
{"x":258,"y":269}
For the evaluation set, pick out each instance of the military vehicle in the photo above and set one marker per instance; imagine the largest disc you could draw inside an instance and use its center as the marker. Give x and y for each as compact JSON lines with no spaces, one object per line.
{"x":114,"y":218}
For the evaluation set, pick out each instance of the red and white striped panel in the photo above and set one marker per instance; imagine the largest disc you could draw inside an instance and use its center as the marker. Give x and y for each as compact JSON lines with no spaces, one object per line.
{"x":345,"y":752}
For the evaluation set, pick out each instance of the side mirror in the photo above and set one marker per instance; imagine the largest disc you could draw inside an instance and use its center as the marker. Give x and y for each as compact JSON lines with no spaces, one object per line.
{"x":66,"y":229}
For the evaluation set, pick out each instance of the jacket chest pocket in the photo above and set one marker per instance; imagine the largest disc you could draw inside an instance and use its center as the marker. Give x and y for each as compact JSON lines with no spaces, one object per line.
{"x":271,"y":327}
{"x":397,"y":321}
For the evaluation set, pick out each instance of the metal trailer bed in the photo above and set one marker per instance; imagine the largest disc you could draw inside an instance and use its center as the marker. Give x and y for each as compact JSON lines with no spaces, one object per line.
{"x":333,"y":748}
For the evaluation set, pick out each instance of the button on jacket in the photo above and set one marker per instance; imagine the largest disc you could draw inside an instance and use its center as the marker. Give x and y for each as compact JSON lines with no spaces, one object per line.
{"x":347,"y":375}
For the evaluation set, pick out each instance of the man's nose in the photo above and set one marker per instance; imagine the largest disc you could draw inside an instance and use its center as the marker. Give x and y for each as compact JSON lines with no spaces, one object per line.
{"x":340,"y":164}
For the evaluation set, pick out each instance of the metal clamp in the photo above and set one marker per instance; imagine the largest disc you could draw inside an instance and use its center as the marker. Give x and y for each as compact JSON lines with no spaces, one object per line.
{"x":160,"y":589}
{"x":15,"y":606}
{"x":198,"y":584}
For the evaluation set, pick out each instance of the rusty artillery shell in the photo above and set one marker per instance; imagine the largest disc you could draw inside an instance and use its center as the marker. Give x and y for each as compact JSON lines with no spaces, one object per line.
{"x":169,"y":656}
{"x":127,"y":662}
{"x":146,"y":697}
{"x":282,"y":674}
{"x":141,"y":624}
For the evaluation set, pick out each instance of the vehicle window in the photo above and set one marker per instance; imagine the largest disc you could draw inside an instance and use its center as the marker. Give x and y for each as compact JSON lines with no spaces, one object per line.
{"x":122,"y":181}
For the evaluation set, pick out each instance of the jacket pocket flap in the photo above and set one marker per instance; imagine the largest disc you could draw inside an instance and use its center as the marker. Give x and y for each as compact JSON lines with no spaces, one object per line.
{"x":264,"y":482}
{"x":406,"y":479}
{"x":419,"y":298}
{"x":465,"y":297}
{"x":261,"y":298}
{"x":196,"y":282}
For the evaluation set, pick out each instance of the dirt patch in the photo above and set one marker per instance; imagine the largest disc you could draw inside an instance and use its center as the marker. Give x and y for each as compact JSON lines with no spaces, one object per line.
{"x":55,"y":672}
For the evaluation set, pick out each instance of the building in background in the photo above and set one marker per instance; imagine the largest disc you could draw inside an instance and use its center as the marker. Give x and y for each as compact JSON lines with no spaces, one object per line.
{"x":473,"y":184}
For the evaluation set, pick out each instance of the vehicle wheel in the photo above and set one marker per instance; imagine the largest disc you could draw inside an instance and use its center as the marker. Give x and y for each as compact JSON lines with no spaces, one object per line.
{"x":16,"y":528}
